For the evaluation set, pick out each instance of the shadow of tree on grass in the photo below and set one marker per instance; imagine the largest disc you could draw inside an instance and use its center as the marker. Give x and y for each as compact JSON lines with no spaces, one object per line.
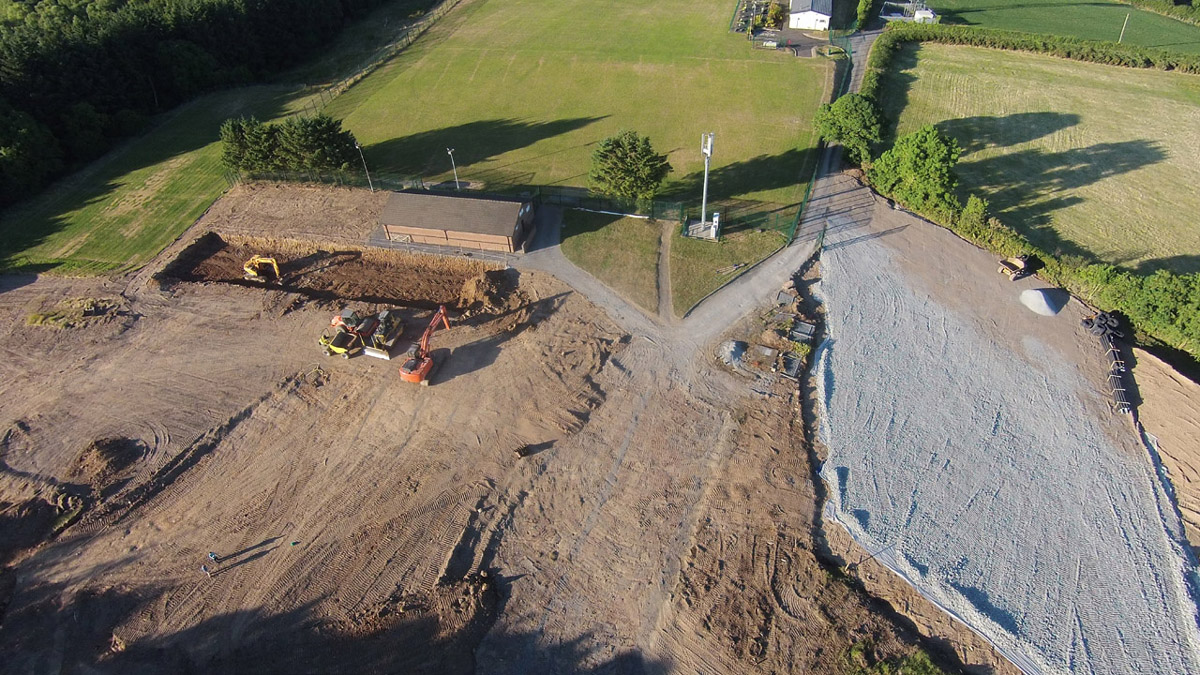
{"x":1026,"y":188}
{"x":473,"y":143}
{"x":981,"y":132}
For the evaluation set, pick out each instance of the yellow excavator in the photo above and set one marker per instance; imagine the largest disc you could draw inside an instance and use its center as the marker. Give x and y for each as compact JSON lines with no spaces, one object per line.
{"x":262,"y":269}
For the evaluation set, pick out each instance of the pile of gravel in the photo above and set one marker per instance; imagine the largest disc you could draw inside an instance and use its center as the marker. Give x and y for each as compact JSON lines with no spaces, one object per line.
{"x":990,"y":485}
{"x":1045,"y":301}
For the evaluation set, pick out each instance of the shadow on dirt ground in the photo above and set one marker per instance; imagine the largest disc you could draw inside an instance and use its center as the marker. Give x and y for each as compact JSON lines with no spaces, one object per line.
{"x":95,"y":630}
{"x":482,"y":353}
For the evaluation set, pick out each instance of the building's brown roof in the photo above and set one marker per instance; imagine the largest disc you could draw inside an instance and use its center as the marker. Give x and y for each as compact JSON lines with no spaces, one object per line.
{"x":461,"y":213}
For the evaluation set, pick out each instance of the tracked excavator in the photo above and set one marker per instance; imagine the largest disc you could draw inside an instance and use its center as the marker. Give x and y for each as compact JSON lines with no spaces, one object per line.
{"x":262,"y":269}
{"x":418,"y":364}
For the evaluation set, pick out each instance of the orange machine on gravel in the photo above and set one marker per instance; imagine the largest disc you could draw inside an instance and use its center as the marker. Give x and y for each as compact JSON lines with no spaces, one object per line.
{"x":418,"y":367}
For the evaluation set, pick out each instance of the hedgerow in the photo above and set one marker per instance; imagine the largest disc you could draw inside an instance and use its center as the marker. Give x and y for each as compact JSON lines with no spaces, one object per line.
{"x":1164,"y":306}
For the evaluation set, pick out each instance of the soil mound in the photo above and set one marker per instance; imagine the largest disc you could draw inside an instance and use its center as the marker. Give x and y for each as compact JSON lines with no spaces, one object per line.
{"x":105,"y":460}
{"x":492,"y":292}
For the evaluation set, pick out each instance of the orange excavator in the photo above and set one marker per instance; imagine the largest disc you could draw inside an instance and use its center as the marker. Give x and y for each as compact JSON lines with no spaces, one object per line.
{"x":418,"y":366}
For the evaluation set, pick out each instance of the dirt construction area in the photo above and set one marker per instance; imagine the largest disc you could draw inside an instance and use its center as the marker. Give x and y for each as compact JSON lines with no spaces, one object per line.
{"x":564,"y":497}
{"x":581,"y":489}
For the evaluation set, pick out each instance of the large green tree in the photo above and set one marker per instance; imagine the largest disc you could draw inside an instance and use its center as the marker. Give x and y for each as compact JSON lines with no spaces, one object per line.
{"x":626,"y":166}
{"x":852,"y":120}
{"x":316,"y":143}
{"x":28,"y":153}
{"x":919,"y":170}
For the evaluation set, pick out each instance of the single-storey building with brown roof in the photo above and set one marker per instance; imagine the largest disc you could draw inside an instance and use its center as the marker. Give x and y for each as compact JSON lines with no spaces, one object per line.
{"x":486,"y":223}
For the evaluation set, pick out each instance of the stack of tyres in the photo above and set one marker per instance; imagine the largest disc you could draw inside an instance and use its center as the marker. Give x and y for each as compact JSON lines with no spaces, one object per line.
{"x":1103,"y":324}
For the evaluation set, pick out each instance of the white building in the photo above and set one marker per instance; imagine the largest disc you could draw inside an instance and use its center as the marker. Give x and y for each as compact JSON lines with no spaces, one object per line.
{"x":810,"y":14}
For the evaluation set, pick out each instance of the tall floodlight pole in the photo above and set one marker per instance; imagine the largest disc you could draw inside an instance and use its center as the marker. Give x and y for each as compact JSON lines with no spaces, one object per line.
{"x":364,"y":159}
{"x":706,"y":145}
{"x":450,"y":151}
{"x":1123,"y":26}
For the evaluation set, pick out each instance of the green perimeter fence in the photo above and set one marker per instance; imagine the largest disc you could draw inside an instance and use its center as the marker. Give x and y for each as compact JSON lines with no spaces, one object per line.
{"x":580,"y":198}
{"x":555,"y":195}
{"x":787,"y":223}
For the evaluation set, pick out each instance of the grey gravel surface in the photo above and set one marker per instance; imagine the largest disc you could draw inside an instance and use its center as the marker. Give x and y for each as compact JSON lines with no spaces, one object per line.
{"x":987,"y":473}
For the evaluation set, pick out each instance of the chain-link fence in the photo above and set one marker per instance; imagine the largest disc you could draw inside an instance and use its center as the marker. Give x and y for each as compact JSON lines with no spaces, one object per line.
{"x":555,"y":195}
{"x":581,"y":198}
{"x":378,"y":181}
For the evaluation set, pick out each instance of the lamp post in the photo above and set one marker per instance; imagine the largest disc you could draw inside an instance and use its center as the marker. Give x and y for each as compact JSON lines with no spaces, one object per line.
{"x":364,"y":159}
{"x":706,"y":145}
{"x":450,"y":151}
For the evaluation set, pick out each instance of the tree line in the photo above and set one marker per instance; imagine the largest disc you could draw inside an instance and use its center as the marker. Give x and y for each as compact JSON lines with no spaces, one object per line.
{"x":918,"y":171}
{"x":302,"y":144}
{"x":76,"y":76}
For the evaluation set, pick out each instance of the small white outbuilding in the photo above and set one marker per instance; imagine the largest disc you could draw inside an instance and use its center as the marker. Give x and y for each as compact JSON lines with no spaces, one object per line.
{"x":810,"y":14}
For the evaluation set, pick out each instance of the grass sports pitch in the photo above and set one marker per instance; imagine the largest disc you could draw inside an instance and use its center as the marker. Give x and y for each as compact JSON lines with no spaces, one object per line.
{"x":1098,"y":20}
{"x":523,"y":89}
{"x":1083,"y":158}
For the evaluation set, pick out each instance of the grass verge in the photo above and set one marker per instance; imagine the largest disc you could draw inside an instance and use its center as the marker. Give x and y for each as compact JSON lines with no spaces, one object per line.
{"x":1065,"y":151}
{"x":621,"y":252}
{"x":699,"y":267}
{"x":1097,"y":20}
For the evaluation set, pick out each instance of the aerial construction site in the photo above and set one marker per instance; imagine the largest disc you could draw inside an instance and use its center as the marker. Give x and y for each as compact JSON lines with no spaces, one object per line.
{"x":193,"y":480}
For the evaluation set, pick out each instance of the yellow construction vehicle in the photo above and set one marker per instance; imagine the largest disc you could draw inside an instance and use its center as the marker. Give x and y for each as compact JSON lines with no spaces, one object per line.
{"x":262,"y":269}
{"x":1016,"y":267}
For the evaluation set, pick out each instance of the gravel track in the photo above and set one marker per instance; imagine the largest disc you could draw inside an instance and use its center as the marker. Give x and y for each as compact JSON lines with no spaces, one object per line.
{"x":985,"y":471}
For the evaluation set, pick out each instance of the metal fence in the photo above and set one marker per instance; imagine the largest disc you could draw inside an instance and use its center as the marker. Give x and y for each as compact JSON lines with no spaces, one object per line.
{"x":568,"y":197}
{"x":784,"y":222}
{"x":379,"y":181}
{"x":788,"y":223}
{"x":555,"y":195}
{"x":580,"y":198}
{"x":841,"y":84}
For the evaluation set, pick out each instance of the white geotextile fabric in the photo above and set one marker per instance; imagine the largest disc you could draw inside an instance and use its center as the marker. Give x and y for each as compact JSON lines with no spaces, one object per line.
{"x":979,"y":474}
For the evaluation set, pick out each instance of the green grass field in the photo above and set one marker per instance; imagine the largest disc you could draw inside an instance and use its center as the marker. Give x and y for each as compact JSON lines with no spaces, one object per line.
{"x":621,"y":252}
{"x":122,"y":209}
{"x":1084,"y":159}
{"x":1095,"y":20}
{"x":523,"y":89}
{"x":699,"y":267}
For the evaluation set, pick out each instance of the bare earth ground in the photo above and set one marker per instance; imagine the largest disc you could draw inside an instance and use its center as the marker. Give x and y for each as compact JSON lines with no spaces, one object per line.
{"x":663,"y":521}
{"x":1170,"y":412}
{"x":318,"y":212}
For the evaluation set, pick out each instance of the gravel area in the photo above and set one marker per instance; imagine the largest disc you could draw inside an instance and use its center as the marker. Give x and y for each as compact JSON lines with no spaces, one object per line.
{"x":969,"y":444}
